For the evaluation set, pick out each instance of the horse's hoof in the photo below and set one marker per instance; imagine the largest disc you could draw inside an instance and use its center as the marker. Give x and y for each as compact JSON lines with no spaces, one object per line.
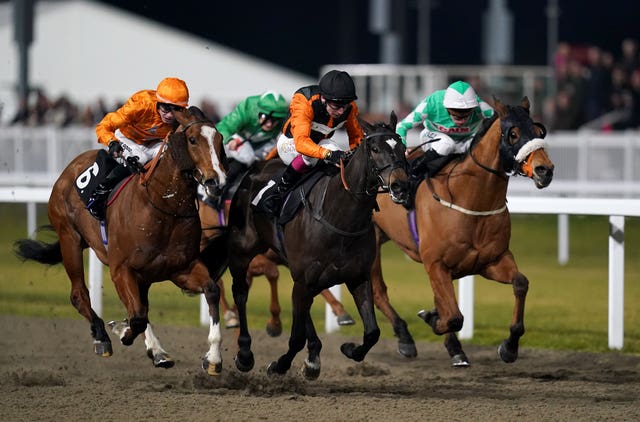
{"x":274,"y":330}
{"x":345,"y":319}
{"x":244,"y":361}
{"x":460,"y":361}
{"x":408,"y":350}
{"x":310,"y":370}
{"x":102,"y":348}
{"x":161,"y":360}
{"x":213,"y":369}
{"x":231,"y":320}
{"x":505,"y":354}
{"x":351,"y":350}
{"x":272,"y":369}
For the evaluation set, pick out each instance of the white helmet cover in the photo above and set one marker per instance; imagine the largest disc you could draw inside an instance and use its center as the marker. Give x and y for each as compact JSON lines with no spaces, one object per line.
{"x":460,"y":95}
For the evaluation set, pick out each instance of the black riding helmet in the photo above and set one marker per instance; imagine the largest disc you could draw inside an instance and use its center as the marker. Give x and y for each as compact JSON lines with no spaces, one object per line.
{"x":337,"y":85}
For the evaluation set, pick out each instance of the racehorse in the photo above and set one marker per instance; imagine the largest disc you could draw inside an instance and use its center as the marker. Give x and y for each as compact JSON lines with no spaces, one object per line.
{"x":212,"y":220}
{"x":330,"y":239}
{"x":463,"y":225}
{"x":153,"y":234}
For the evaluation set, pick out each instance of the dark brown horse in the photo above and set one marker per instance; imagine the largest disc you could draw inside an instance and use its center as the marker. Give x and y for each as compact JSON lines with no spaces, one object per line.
{"x":329,"y":240}
{"x":463,"y":226}
{"x":153,"y":233}
{"x":266,"y":265}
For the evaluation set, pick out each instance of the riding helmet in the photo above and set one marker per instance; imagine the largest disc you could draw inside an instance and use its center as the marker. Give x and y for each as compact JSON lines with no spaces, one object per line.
{"x":338,"y":86}
{"x":460,"y":95}
{"x":273,"y":104}
{"x":173,"y":91}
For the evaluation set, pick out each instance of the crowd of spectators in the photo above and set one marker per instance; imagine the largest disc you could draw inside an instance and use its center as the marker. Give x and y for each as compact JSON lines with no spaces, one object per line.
{"x":38,"y":109}
{"x":595,"y":88}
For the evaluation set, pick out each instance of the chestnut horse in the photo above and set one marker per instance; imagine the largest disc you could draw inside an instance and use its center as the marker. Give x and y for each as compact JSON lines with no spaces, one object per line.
{"x":153,"y":235}
{"x":329,"y":240}
{"x":212,"y":220}
{"x":463,"y":226}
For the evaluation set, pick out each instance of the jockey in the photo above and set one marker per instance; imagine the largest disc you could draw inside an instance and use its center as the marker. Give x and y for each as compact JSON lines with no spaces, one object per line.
{"x":135,"y":131}
{"x":315,"y":113}
{"x":451,"y":118}
{"x":250,"y":131}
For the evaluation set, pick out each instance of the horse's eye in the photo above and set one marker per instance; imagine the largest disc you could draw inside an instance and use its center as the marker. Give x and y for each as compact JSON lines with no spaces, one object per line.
{"x":513,"y":136}
{"x":375,"y":149}
{"x":192,"y":140}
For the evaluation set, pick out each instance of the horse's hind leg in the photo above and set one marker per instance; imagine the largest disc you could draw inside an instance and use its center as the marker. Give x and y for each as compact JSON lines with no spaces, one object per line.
{"x":80,"y":299}
{"x":341,"y":314}
{"x":406,"y":344}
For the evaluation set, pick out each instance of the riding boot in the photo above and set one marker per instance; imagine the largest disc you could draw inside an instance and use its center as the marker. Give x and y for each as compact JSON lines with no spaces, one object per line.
{"x":272,"y":198}
{"x":430,"y":163}
{"x":97,"y":204}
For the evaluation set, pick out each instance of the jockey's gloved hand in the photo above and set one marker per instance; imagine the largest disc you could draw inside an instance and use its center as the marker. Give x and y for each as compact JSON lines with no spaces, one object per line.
{"x":134,"y":164}
{"x":115,"y":149}
{"x":334,"y":157}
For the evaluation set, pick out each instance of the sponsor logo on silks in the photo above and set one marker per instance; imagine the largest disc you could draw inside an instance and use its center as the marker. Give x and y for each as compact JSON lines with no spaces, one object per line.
{"x":457,"y":129}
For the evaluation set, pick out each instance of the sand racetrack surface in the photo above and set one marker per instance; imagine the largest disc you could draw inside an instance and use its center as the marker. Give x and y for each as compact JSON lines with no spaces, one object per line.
{"x":48,"y":371}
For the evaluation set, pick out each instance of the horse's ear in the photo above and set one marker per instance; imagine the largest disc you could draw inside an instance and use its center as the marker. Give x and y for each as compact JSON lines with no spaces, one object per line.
{"x":393,"y":120}
{"x":525,"y":103}
{"x":366,"y":126}
{"x":195,"y":111}
{"x":500,"y":108}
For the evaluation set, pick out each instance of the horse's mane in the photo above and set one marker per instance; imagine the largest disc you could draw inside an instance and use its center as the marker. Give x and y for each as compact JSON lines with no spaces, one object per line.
{"x":484,"y":127}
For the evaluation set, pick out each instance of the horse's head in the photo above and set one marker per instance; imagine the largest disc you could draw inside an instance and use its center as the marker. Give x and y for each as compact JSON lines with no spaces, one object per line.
{"x":206,"y":157}
{"x":522,"y":145}
{"x":386,"y":155}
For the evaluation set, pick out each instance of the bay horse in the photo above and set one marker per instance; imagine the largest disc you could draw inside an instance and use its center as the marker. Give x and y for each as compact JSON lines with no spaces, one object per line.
{"x":212,"y":219}
{"x":329,"y":240}
{"x":463,"y":226}
{"x":153,"y":233}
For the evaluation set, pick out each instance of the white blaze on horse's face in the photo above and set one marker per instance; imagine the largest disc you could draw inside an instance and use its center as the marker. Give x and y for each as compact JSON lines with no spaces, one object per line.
{"x":392,"y":143}
{"x":209,"y":133}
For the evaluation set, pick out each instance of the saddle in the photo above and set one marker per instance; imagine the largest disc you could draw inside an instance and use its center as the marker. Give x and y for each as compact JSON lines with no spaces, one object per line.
{"x":298,"y":195}
{"x":92,"y":176}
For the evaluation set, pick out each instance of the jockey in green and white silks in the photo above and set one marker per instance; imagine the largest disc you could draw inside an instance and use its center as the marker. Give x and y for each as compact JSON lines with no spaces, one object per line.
{"x":451,"y":118}
{"x":250,"y":131}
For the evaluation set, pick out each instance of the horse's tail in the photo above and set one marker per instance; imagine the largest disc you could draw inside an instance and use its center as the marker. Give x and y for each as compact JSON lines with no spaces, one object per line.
{"x":42,"y":252}
{"x":215,"y":255}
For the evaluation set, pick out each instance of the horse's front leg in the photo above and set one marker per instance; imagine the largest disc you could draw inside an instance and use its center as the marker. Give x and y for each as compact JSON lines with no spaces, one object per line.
{"x":363,"y":298}
{"x":155,"y":351}
{"x":301,"y":304}
{"x":406,"y":344}
{"x":135,"y":297}
{"x":311,"y":366}
{"x":244,"y":357}
{"x":212,"y":362}
{"x":446,"y":317}
{"x":506,"y":271}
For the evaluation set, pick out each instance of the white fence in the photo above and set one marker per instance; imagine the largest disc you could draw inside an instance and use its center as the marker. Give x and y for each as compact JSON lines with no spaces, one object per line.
{"x":615,"y":208}
{"x":587,"y":164}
